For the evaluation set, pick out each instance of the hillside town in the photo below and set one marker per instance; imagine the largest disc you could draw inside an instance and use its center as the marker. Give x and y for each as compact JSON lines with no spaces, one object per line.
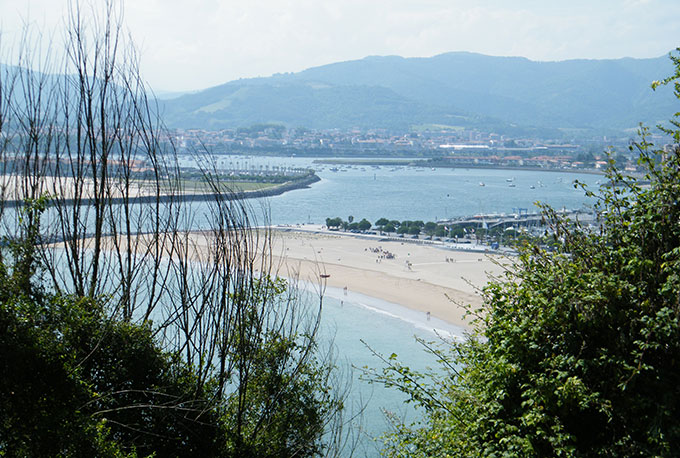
{"x":443,"y":146}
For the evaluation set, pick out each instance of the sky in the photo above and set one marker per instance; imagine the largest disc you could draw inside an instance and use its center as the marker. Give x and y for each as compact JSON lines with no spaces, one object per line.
{"x":194,"y":44}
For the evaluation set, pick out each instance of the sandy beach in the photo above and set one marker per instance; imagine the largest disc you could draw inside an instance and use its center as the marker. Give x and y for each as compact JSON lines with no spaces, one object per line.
{"x":424,"y":278}
{"x":421,"y":277}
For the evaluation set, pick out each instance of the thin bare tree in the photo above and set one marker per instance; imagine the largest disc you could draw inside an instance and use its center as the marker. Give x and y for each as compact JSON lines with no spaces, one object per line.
{"x":84,"y":135}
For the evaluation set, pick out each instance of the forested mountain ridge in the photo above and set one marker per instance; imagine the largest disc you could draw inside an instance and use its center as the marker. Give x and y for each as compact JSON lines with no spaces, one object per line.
{"x":457,"y":89}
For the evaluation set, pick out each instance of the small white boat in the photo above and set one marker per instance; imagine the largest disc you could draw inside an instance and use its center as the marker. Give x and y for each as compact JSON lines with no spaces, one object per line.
{"x":481,"y":183}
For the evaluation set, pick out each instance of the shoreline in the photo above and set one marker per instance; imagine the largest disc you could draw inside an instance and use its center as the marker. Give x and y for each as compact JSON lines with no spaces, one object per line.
{"x":423,"y":163}
{"x":418,"y":283}
{"x":430,"y":281}
{"x":277,"y":190}
{"x":399,"y":312}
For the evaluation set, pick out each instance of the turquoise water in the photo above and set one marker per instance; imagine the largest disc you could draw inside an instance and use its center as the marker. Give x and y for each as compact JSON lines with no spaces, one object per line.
{"x":414,"y":193}
{"x":354,"y":322}
{"x":361,"y":325}
{"x":357,"y":322}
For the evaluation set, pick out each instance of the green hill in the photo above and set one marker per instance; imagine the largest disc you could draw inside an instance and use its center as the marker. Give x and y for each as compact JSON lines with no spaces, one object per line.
{"x":462,"y":89}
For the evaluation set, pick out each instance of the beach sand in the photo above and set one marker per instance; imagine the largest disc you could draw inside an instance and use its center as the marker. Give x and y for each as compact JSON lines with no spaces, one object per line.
{"x":421,"y":277}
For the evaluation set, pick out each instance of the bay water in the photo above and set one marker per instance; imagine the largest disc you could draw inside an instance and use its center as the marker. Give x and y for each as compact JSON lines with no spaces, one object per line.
{"x":360,"y":325}
{"x":415,"y":193}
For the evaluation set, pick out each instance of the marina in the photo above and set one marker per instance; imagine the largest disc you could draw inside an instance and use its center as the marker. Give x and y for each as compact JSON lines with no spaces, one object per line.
{"x":403,"y":193}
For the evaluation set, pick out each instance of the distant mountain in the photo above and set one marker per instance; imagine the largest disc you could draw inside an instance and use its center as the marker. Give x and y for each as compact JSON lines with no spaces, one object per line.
{"x":456,"y":89}
{"x":167,"y":95}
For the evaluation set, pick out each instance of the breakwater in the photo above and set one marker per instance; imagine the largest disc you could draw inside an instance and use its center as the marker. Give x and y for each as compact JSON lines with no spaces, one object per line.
{"x":302,"y":183}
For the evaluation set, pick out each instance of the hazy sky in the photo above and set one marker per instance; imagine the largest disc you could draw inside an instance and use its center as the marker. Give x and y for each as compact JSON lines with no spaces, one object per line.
{"x":194,"y":44}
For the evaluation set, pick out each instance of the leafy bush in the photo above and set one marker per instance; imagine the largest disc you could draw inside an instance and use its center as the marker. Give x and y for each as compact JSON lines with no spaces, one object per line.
{"x":575,"y":352}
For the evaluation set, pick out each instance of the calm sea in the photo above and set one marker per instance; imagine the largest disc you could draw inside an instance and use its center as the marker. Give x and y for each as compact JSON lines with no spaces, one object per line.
{"x":357,"y":322}
{"x":414,"y":193}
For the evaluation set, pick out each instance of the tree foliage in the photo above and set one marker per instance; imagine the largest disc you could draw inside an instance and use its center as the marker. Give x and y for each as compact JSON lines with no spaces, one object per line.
{"x":381,"y":222}
{"x":125,"y":329}
{"x":364,"y":224}
{"x":575,"y":352}
{"x":335,"y":223}
{"x":83,"y":384}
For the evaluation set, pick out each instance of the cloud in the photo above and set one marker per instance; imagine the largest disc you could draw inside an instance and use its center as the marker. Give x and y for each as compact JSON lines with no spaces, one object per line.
{"x":192,"y":45}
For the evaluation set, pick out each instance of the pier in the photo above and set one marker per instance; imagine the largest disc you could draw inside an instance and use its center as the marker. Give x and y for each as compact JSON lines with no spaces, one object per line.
{"x":520,"y":219}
